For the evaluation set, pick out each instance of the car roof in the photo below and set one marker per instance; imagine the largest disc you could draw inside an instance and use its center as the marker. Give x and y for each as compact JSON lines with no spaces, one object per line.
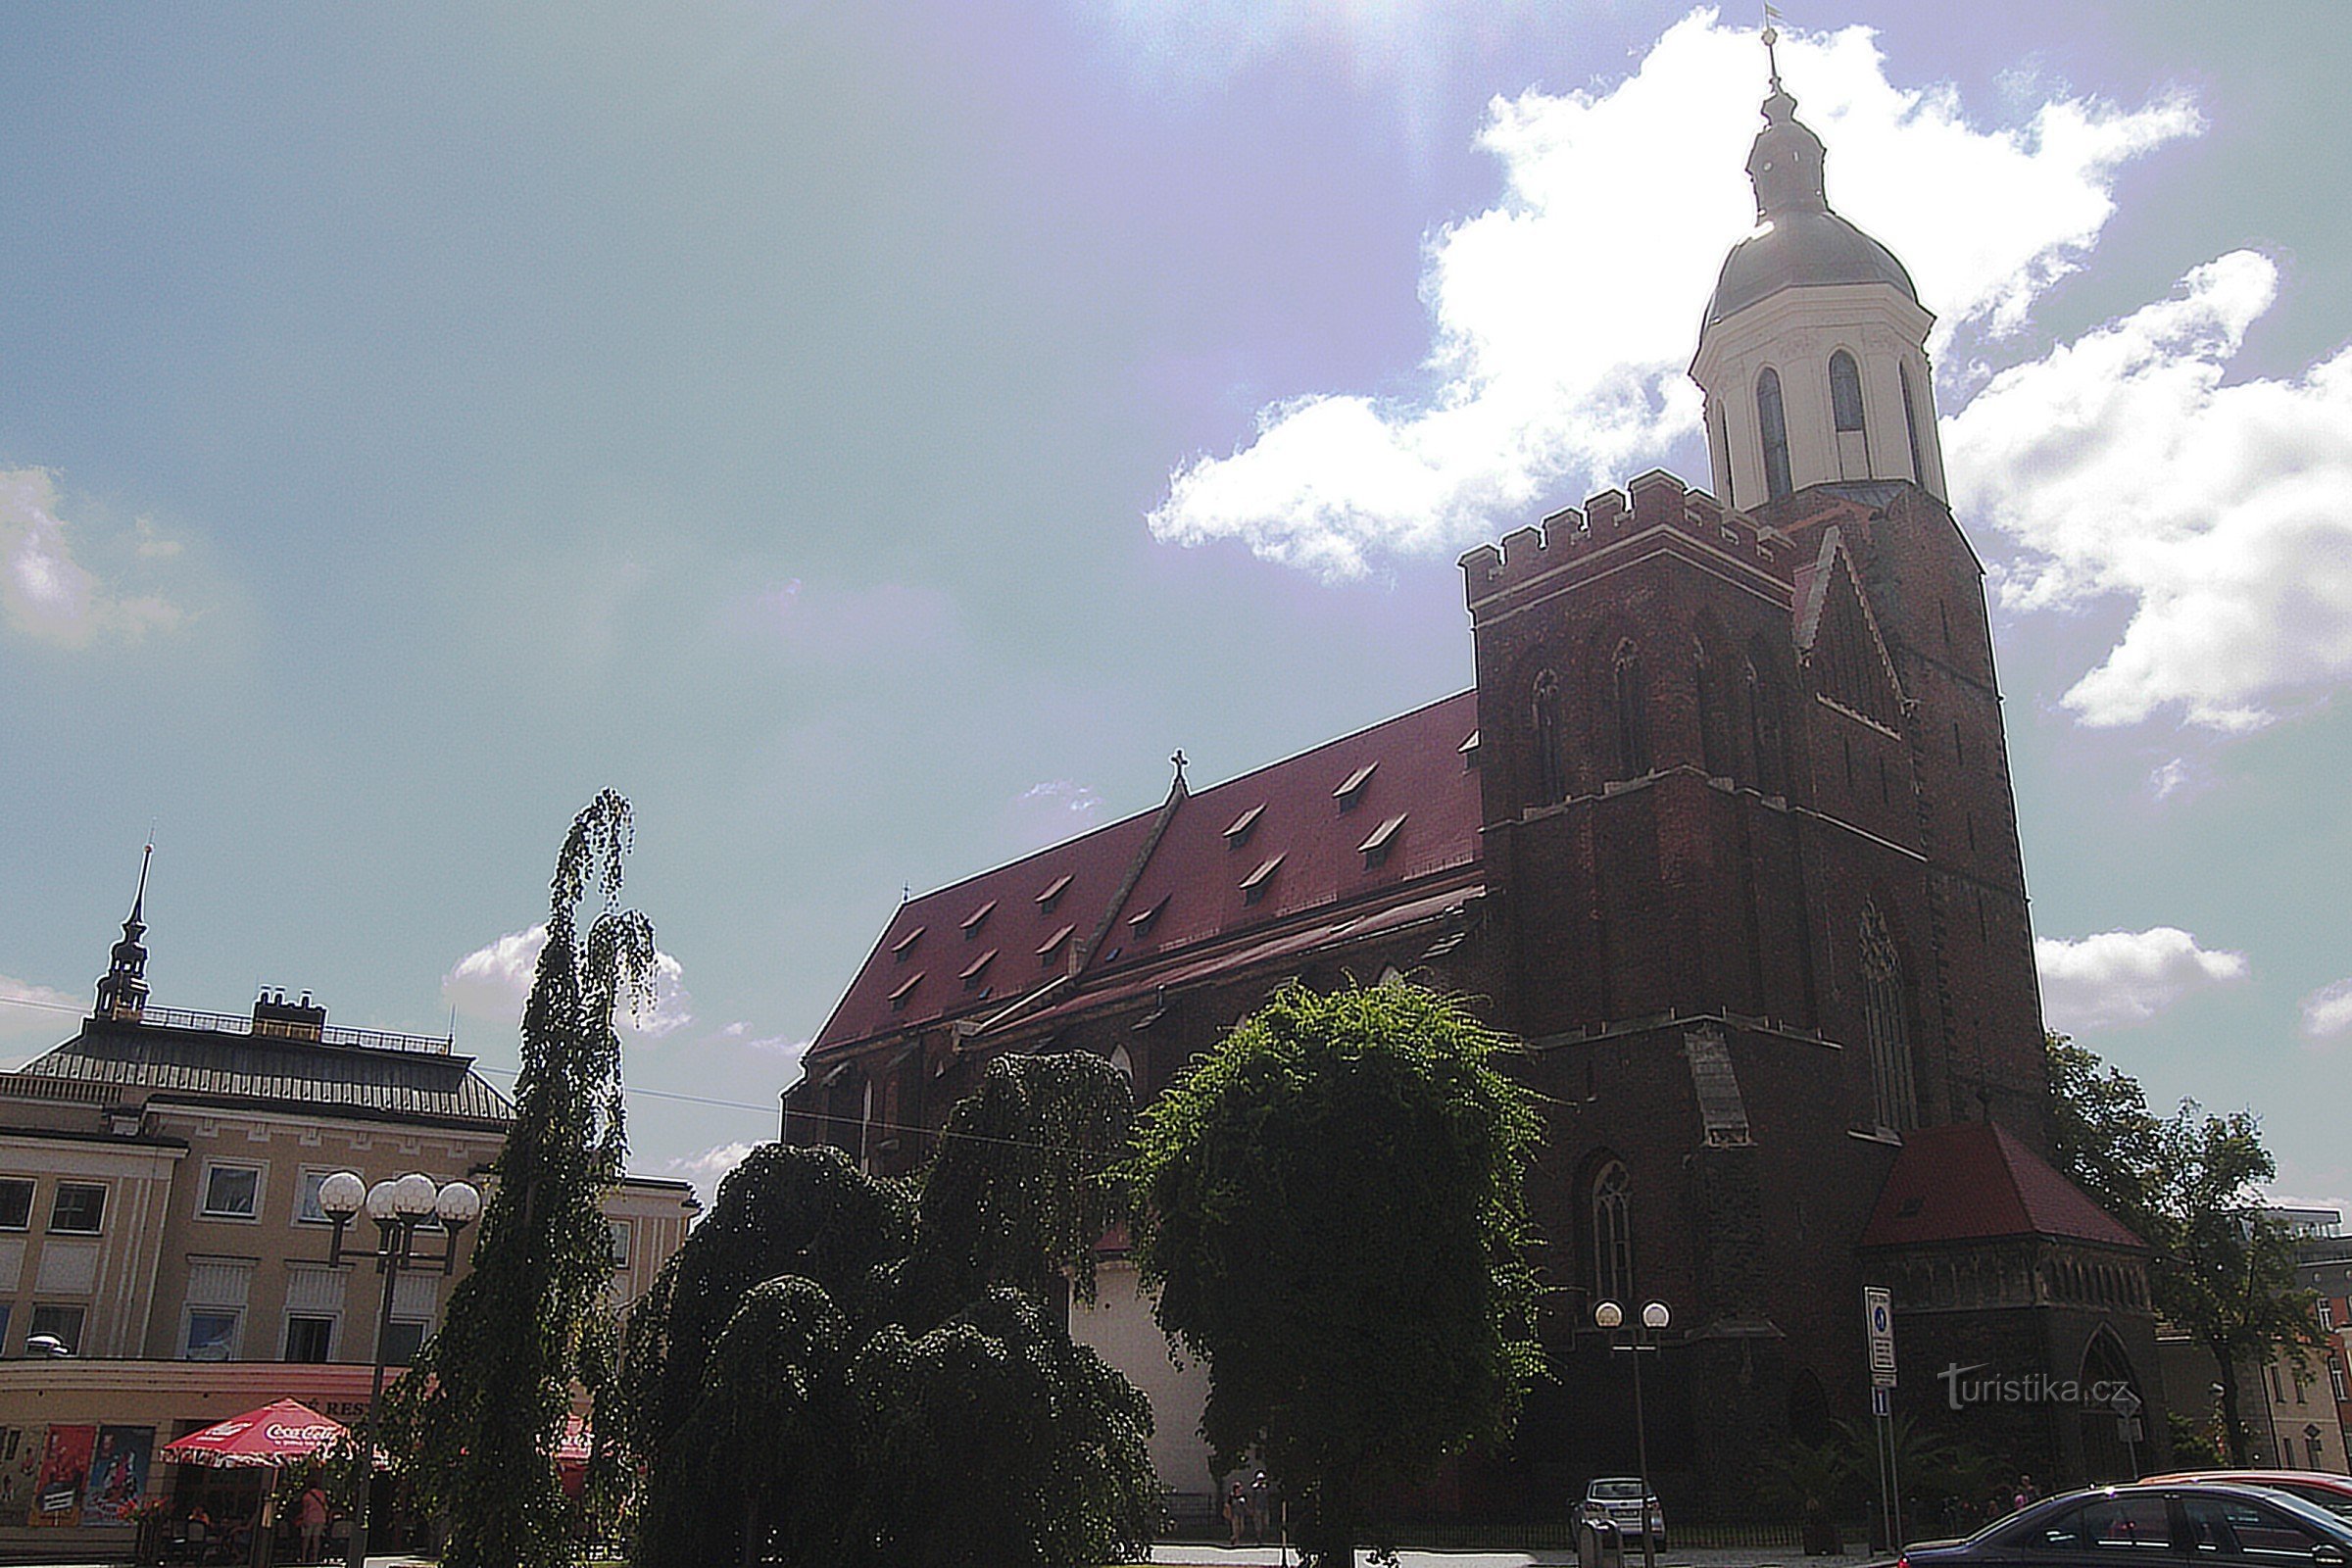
{"x":2335,"y":1525}
{"x":2250,"y":1477}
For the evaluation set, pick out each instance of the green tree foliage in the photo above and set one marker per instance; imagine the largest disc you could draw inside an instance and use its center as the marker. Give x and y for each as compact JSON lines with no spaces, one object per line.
{"x":843,"y":1372}
{"x":1330,"y":1205}
{"x":484,"y":1405}
{"x":2190,"y":1184}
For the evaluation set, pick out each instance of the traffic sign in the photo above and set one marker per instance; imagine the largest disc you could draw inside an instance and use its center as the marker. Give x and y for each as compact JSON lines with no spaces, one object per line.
{"x":1882,"y":1402}
{"x":1878,"y":1322}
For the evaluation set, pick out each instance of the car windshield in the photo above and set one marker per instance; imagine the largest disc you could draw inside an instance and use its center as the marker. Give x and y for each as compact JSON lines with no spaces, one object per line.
{"x":1616,"y":1491}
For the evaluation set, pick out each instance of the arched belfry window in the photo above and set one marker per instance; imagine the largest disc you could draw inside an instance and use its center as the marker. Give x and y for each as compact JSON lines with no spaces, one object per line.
{"x":1551,"y":756}
{"x":1886,"y":1018}
{"x":1919,"y":468}
{"x":1612,"y":1235}
{"x":1773,"y":422}
{"x":1631,"y":711}
{"x":1845,"y":412}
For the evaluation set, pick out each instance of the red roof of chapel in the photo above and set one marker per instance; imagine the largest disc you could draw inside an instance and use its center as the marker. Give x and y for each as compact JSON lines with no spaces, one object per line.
{"x":1974,"y":1181}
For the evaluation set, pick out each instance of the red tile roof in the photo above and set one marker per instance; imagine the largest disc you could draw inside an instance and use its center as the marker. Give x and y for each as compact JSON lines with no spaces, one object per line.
{"x":1973,"y":1182}
{"x":1055,"y":902}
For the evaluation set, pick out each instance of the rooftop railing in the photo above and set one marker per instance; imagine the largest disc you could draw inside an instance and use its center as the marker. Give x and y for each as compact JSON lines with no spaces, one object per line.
{"x":237,"y":1023}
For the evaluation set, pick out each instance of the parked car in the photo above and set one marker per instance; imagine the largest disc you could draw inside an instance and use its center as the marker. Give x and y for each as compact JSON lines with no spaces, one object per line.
{"x":2331,"y":1491}
{"x":1616,"y":1500}
{"x":2152,"y":1523}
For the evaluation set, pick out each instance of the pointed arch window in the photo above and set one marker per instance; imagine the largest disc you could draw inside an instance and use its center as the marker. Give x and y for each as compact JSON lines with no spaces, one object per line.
{"x":1919,"y":468}
{"x":1845,"y":414}
{"x":1771,"y":421}
{"x":1631,"y":711}
{"x":1551,"y":756}
{"x":1612,"y":1234}
{"x":1763,"y":728}
{"x":1886,"y":1019}
{"x":1711,"y":750}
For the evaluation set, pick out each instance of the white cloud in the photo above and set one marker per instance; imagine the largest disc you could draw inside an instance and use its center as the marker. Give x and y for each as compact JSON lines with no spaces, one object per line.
{"x":2328,"y":1011}
{"x":26,"y":1008}
{"x":1563,"y":317}
{"x":2125,"y":468}
{"x":45,"y":592}
{"x":710,"y":1167}
{"x":2168,"y":777}
{"x":492,"y":983}
{"x":2117,"y":978}
{"x":1054,"y":809}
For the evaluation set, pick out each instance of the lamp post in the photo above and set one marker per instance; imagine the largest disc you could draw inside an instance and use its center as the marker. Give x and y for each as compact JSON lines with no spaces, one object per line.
{"x":1610,"y":1317}
{"x":399,"y":1207}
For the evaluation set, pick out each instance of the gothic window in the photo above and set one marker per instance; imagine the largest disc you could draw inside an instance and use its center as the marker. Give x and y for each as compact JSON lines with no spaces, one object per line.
{"x":1710,"y":712}
{"x":1845,"y":412}
{"x":1612,"y":1235}
{"x":1773,"y":422}
{"x":1631,"y":712}
{"x":1919,"y":470}
{"x":1551,"y":756}
{"x":1894,"y":1103}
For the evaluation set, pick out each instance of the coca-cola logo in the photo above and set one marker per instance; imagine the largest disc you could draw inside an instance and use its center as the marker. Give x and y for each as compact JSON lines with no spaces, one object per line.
{"x":324,"y":1431}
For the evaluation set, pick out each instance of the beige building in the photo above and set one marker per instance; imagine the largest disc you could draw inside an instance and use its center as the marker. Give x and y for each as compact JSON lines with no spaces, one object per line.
{"x":164,"y":1262}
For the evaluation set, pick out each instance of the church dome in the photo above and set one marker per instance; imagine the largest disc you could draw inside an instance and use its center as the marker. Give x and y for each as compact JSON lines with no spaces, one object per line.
{"x":1797,"y":242}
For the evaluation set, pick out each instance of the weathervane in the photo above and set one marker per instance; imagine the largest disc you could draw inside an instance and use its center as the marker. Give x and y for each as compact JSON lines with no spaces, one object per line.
{"x":1772,"y":37}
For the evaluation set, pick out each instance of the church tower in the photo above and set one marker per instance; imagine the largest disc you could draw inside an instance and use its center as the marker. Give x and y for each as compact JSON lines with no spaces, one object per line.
{"x":1813,"y":352}
{"x":123,"y":992}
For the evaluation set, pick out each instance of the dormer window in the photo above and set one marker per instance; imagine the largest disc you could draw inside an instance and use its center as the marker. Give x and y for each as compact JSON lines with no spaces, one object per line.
{"x":1375,"y":849}
{"x":1243,"y":826}
{"x":1054,"y":943}
{"x":1351,"y":788}
{"x":977,"y":968}
{"x":905,"y":993}
{"x":1255,"y":885}
{"x":1469,"y":751}
{"x":973,"y":922}
{"x":1052,"y":894}
{"x":1141,"y":924}
{"x":900,"y":949}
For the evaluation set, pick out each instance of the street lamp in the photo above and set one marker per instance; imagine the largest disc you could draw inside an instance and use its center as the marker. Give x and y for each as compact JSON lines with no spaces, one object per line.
{"x":397,"y":1206}
{"x":1610,"y":1317}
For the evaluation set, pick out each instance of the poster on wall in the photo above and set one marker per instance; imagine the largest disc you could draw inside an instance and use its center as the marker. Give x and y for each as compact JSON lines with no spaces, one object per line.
{"x":118,"y":1475}
{"x":65,"y":1467}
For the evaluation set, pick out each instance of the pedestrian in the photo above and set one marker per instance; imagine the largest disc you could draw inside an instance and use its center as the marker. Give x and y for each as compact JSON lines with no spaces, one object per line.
{"x":311,"y":1514}
{"x":1262,"y":1508}
{"x":2026,"y":1492}
{"x":1237,"y":1511}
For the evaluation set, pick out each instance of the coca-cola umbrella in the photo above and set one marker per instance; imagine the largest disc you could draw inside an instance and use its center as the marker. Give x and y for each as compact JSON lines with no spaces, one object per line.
{"x":274,"y":1435}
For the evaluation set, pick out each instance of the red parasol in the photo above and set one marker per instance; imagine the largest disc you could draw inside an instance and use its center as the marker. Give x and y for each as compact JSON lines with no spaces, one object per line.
{"x":274,"y":1435}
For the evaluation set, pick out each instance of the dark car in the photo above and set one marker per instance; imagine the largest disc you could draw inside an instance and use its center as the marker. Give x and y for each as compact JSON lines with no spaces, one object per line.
{"x":2240,"y":1527}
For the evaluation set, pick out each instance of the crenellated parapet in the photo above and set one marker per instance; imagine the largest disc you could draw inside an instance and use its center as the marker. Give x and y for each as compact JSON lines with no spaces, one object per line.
{"x":1614,"y":519}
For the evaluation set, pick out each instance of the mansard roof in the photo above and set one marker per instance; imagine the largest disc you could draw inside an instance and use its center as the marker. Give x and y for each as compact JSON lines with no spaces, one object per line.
{"x":1975,"y":1182}
{"x":218,"y":1065}
{"x":1322,"y":842}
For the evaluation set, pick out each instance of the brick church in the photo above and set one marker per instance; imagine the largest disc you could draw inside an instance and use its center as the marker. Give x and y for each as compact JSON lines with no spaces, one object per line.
{"x":1723,"y":831}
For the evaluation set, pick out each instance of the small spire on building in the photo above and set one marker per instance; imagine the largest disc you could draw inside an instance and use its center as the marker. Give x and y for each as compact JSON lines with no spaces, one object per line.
{"x":123,"y":993}
{"x":1772,"y":38}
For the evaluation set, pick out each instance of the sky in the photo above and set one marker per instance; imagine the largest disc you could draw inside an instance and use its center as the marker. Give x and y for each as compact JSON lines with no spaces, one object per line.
{"x":875,"y":437}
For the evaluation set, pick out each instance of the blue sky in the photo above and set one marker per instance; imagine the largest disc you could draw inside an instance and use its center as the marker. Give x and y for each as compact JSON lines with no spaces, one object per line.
{"x":873,"y":437}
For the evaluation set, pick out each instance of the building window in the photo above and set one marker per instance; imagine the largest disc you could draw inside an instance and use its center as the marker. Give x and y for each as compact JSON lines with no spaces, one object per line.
{"x":1551,"y":756}
{"x":1632,"y":711}
{"x":621,"y":1233}
{"x":1612,"y":1235}
{"x":1845,"y":414}
{"x":231,"y":1191}
{"x":1773,"y":423}
{"x":2327,"y":1313}
{"x":16,"y":1203}
{"x":1763,"y":728}
{"x":80,"y":1209}
{"x":309,"y":1338}
{"x":1919,"y":468}
{"x":1886,"y":1018}
{"x":211,"y":1334}
{"x":2335,"y":1373}
{"x":403,"y":1339}
{"x":60,"y":1323}
{"x":306,"y":1198}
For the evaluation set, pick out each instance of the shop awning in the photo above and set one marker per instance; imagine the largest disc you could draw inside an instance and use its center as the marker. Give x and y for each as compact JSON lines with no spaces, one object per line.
{"x":273,"y":1434}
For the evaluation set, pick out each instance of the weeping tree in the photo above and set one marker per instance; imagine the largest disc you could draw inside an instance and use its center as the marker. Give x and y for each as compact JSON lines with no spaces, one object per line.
{"x":855,"y":1372}
{"x":1331,"y":1207}
{"x":484,"y":1405}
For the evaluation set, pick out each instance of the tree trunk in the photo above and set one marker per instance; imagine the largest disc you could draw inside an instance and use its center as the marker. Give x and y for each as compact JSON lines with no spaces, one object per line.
{"x":1327,"y":1532}
{"x":2234,"y":1430}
